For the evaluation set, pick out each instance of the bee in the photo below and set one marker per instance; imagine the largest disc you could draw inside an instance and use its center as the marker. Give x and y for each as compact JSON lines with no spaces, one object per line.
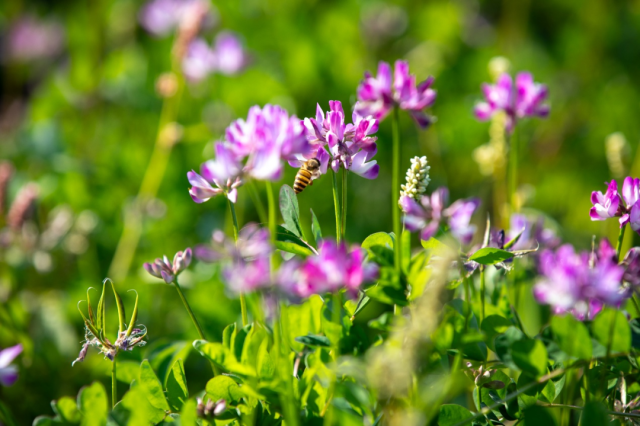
{"x":309,"y":171}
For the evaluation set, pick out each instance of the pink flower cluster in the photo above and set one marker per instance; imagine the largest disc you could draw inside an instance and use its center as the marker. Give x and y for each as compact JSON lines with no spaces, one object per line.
{"x":527,"y":99}
{"x":256,"y":148}
{"x":378,"y":95}
{"x":611,"y":204}
{"x":352,"y":146}
{"x":227,"y":56}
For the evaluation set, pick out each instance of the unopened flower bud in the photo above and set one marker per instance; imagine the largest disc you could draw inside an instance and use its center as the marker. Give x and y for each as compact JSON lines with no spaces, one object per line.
{"x":167,"y":85}
{"x":417,"y":179}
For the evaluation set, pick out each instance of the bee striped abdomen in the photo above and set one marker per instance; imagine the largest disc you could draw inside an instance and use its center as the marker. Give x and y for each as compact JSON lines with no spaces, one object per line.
{"x":303,"y":178}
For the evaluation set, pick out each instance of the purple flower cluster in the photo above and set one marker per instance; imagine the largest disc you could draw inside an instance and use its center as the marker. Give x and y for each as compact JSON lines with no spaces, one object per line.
{"x":255,"y":147}
{"x":526,"y":99}
{"x":377,"y":96}
{"x":8,"y":372}
{"x":166,"y":270}
{"x":31,"y":39}
{"x":160,"y":17}
{"x":580,"y":283}
{"x":352,"y":146}
{"x":432,"y":211}
{"x":227,"y":56}
{"x":610,"y":204}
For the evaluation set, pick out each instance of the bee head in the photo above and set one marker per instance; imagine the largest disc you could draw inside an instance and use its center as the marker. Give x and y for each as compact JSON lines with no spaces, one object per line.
{"x":313,"y":164}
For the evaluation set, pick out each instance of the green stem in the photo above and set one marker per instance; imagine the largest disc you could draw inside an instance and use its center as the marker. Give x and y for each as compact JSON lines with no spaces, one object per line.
{"x":395,"y":189}
{"x":513,"y":172}
{"x":575,"y":407}
{"x":619,"y":245}
{"x":344,"y":204}
{"x":188,"y":308}
{"x":482,"y":284}
{"x":243,"y":301}
{"x":255,"y":197}
{"x":114,"y":383}
{"x":272,"y":211}
{"x":336,"y":204}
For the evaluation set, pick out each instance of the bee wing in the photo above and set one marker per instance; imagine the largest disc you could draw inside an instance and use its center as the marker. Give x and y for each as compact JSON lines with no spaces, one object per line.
{"x":315,"y":175}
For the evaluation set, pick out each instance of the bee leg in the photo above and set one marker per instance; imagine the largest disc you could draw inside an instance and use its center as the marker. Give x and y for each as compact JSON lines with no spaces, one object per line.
{"x":311,"y":183}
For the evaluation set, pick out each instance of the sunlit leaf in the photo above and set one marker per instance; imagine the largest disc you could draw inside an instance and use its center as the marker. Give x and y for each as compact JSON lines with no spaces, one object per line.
{"x":152,"y":386}
{"x":490,"y":256}
{"x":610,"y":327}
{"x":572,"y":336}
{"x":452,"y":414}
{"x":290,"y":210}
{"x":92,"y":402}
{"x":530,"y":355}
{"x":177,"y":391}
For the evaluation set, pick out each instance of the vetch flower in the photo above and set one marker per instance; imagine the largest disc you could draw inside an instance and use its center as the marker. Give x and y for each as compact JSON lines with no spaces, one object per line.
{"x":243,"y":276}
{"x":417,"y":178}
{"x":223,"y":172}
{"x":526,"y":99}
{"x":351,"y":146}
{"x":166,"y":270}
{"x":253,"y":242}
{"x":605,"y":205}
{"x":227,"y":57}
{"x":611,"y":204}
{"x":159,"y":17}
{"x":432,"y":211}
{"x":378,"y":95}
{"x":9,"y":372}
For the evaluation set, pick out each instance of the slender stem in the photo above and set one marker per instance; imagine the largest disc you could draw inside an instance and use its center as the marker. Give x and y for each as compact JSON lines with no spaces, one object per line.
{"x":243,"y":301}
{"x":482,"y":292}
{"x":575,"y":407}
{"x":255,"y":197}
{"x":188,"y":308}
{"x":114,"y":387}
{"x":336,"y":204}
{"x":395,"y":189}
{"x":513,"y":171}
{"x":344,"y":204}
{"x":272,"y":210}
{"x":619,"y":245}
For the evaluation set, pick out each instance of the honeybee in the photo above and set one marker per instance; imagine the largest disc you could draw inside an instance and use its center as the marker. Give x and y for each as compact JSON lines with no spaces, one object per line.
{"x":309,"y":171}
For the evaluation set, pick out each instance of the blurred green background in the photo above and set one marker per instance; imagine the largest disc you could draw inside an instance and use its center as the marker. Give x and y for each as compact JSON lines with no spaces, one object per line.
{"x":82,"y":122}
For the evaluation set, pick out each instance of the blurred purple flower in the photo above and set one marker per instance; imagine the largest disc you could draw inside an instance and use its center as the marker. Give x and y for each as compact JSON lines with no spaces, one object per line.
{"x":166,"y":270}
{"x":30,"y":39}
{"x":376,"y":97}
{"x":160,"y":17}
{"x":525,"y":100}
{"x":631,"y":265}
{"x":243,"y":276}
{"x":427,"y":215}
{"x":253,"y":242}
{"x":228,"y":57}
{"x":352,"y":146}
{"x":8,"y":372}
{"x":570,"y":282}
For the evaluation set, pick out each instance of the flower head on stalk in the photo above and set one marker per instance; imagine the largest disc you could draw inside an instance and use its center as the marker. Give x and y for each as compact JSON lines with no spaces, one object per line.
{"x":378,"y":95}
{"x":611,"y":204}
{"x":526,"y":99}
{"x":417,"y":178}
{"x":335,"y":267}
{"x":432,"y":211}
{"x":352,"y":146}
{"x":227,"y":56}
{"x":580,"y":283}
{"x":217,"y":177}
{"x":166,"y":270}
{"x":95,"y":328}
{"x":9,"y":372}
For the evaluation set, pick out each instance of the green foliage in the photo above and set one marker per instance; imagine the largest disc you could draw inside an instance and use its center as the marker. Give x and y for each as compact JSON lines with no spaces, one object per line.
{"x":490,"y":256}
{"x":149,"y":382}
{"x":452,"y":414}
{"x":290,"y":210}
{"x":572,"y":336}
{"x":177,"y":391}
{"x":611,"y":329}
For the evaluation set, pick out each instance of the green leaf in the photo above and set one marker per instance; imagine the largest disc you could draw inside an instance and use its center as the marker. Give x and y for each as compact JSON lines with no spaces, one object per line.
{"x":127,"y":371}
{"x":120,"y":306}
{"x":177,"y":392}
{"x":530,"y":355}
{"x":315,"y":227}
{"x":135,"y":408}
{"x":378,"y":239}
{"x":92,"y":317}
{"x":222,"y":357}
{"x":538,"y":416}
{"x":452,"y":414}
{"x":492,"y":326}
{"x":610,"y":327}
{"x":504,"y":342}
{"x":229,"y":335}
{"x":44,"y":421}
{"x":92,"y":402}
{"x":405,"y":246}
{"x":134,"y":316}
{"x":433,"y":245}
{"x":383,"y":322}
{"x":379,"y":247}
{"x":101,"y":314}
{"x":67,"y":408}
{"x":594,"y":414}
{"x":419,"y":274}
{"x":314,"y":340}
{"x":293,"y":248}
{"x":290,"y":210}
{"x":188,"y":414}
{"x":152,"y":386}
{"x":223,"y":387}
{"x":490,"y":256}
{"x":572,"y":336}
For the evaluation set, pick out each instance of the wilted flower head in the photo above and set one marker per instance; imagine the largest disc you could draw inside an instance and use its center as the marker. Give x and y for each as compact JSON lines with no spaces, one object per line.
{"x":8,"y":372}
{"x":610,"y":204}
{"x":352,"y":146}
{"x":211,"y":409}
{"x":227,"y":57}
{"x":378,"y":95}
{"x":30,"y":39}
{"x":580,"y":283}
{"x":166,"y":270}
{"x":526,"y":99}
{"x":417,"y":178}
{"x":432,"y":211}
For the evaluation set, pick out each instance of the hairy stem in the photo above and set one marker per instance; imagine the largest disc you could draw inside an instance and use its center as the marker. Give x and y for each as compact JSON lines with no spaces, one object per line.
{"x":482,"y":292}
{"x":513,"y":172}
{"x":619,"y":245}
{"x":188,"y":308}
{"x":336,"y":204}
{"x":114,"y":383}
{"x":395,"y":189}
{"x":243,"y":301}
{"x":344,"y":204}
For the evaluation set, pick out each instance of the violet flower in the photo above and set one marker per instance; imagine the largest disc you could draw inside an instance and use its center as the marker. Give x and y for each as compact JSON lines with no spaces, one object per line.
{"x":525,"y":100}
{"x":631,"y":265}
{"x":160,"y":17}
{"x":253,"y":242}
{"x":377,"y":96}
{"x":242,"y":276}
{"x":9,"y":372}
{"x":31,"y":39}
{"x":610,"y":204}
{"x":351,"y":145}
{"x":224,"y":172}
{"x":166,"y":270}
{"x":578,"y":282}
{"x":227,"y":57}
{"x":432,"y":211}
